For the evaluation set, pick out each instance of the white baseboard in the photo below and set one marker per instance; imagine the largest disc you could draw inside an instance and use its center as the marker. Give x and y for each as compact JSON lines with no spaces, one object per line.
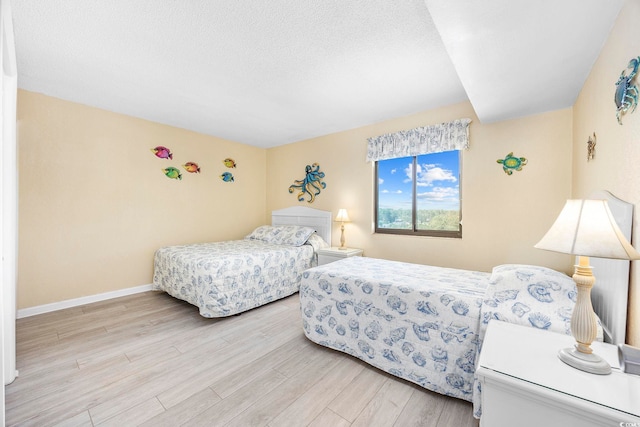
{"x":47,"y":308}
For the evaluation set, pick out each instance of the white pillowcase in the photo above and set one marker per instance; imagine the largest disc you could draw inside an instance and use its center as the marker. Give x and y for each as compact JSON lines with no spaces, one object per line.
{"x":263,"y":233}
{"x":292,"y":235}
{"x":530,"y":295}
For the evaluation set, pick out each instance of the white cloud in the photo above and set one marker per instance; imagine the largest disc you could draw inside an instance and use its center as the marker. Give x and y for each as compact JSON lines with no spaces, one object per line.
{"x":441,"y":194}
{"x":428,"y":174}
{"x":408,"y":171}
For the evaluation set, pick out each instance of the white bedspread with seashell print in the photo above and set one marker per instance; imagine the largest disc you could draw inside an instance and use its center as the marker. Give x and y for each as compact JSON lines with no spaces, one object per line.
{"x":226,"y":278}
{"x":424,"y":323}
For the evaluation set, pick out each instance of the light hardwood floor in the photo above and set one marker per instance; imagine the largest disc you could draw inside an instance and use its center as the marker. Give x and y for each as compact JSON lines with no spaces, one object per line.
{"x":151,"y":360}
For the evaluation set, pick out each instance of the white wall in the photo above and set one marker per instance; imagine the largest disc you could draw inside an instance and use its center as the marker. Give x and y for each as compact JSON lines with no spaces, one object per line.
{"x":8,"y":192}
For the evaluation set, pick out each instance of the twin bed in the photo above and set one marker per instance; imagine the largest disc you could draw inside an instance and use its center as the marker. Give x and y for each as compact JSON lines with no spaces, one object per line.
{"x":421,"y":323}
{"x":426,"y":324}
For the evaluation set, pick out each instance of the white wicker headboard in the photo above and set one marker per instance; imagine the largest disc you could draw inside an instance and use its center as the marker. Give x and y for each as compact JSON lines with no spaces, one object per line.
{"x":610,"y":292}
{"x":301,"y":215}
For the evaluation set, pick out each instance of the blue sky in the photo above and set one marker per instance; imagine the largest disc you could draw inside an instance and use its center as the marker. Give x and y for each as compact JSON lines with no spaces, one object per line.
{"x":438,"y":186}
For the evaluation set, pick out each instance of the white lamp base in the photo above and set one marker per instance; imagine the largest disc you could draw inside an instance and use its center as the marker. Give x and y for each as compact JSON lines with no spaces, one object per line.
{"x":342,"y":246}
{"x":591,"y":363}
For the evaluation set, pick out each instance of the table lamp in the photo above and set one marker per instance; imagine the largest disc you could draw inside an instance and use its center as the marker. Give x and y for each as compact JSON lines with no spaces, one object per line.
{"x":342,"y":217}
{"x":586,"y":228}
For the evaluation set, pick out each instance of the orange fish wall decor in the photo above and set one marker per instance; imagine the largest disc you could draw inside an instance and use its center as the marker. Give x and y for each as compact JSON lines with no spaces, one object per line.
{"x":191,"y":167}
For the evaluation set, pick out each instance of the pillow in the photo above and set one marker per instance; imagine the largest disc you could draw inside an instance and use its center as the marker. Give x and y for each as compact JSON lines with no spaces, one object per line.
{"x":317,"y":242}
{"x":530,"y":295}
{"x":293,"y":235}
{"x":264,"y":233}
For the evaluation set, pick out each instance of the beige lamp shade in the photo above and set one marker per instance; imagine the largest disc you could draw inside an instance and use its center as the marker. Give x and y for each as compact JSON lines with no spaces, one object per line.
{"x":342,"y":216}
{"x":587,"y":228}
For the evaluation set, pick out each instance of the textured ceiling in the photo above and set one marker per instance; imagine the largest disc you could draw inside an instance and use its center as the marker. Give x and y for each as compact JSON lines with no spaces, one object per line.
{"x":271,"y":73}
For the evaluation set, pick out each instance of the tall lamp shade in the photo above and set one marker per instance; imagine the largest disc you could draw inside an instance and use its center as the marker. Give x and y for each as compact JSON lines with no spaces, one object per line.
{"x":586,"y":228}
{"x":342,"y":217}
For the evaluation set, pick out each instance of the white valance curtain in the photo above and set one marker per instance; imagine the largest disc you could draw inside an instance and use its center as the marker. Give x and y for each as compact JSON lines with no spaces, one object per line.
{"x":423,"y":140}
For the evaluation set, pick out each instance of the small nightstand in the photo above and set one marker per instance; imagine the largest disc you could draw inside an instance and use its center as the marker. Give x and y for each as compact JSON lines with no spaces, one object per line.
{"x":524,"y":383}
{"x":327,"y":255}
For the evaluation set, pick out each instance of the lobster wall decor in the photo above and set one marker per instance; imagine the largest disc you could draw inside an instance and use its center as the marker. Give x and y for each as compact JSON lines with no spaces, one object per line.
{"x":626,"y":96}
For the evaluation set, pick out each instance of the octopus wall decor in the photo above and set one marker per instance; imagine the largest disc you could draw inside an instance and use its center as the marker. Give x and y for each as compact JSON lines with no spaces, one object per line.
{"x":311,"y":184}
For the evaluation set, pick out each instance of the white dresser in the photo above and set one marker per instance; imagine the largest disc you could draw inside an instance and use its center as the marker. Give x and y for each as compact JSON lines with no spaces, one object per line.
{"x":525,"y":384}
{"x":327,"y":255}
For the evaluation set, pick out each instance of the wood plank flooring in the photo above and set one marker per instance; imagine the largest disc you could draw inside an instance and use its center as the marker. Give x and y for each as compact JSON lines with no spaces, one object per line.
{"x":151,"y":360}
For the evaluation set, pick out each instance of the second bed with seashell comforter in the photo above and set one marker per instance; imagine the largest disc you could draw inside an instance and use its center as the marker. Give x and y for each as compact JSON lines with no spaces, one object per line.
{"x":423,"y":323}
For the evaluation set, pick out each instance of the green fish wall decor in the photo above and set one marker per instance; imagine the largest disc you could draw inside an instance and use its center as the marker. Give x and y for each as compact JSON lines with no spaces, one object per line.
{"x":172,"y":172}
{"x":230,"y":163}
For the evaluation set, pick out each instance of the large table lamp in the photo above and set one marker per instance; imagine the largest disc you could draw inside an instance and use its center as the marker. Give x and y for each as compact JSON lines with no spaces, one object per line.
{"x":342,"y":217}
{"x":586,"y":228}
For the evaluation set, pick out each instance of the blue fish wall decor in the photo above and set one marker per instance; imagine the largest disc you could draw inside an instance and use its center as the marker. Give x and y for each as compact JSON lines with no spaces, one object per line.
{"x":227,"y":177}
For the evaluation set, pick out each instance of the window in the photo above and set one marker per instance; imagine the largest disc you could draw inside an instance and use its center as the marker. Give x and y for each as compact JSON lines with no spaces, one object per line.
{"x":417,"y":179}
{"x":419,"y":195}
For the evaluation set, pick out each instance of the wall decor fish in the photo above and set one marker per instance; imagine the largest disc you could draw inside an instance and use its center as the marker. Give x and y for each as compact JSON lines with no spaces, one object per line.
{"x":162,"y":152}
{"x":191,"y":167}
{"x":227,"y":177}
{"x":173,"y":173}
{"x":230,"y":163}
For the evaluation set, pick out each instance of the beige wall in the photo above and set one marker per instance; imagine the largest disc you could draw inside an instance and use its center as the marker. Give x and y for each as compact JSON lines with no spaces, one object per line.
{"x":617,"y":159}
{"x":503,"y":216}
{"x":95,"y":205}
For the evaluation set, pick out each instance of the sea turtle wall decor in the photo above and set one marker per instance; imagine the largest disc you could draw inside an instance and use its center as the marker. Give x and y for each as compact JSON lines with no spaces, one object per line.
{"x":311,"y":184}
{"x":626,"y":96}
{"x":511,"y":163}
{"x":591,"y":147}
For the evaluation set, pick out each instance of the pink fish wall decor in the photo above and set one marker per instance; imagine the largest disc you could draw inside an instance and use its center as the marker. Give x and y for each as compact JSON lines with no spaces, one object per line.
{"x":162,"y":152}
